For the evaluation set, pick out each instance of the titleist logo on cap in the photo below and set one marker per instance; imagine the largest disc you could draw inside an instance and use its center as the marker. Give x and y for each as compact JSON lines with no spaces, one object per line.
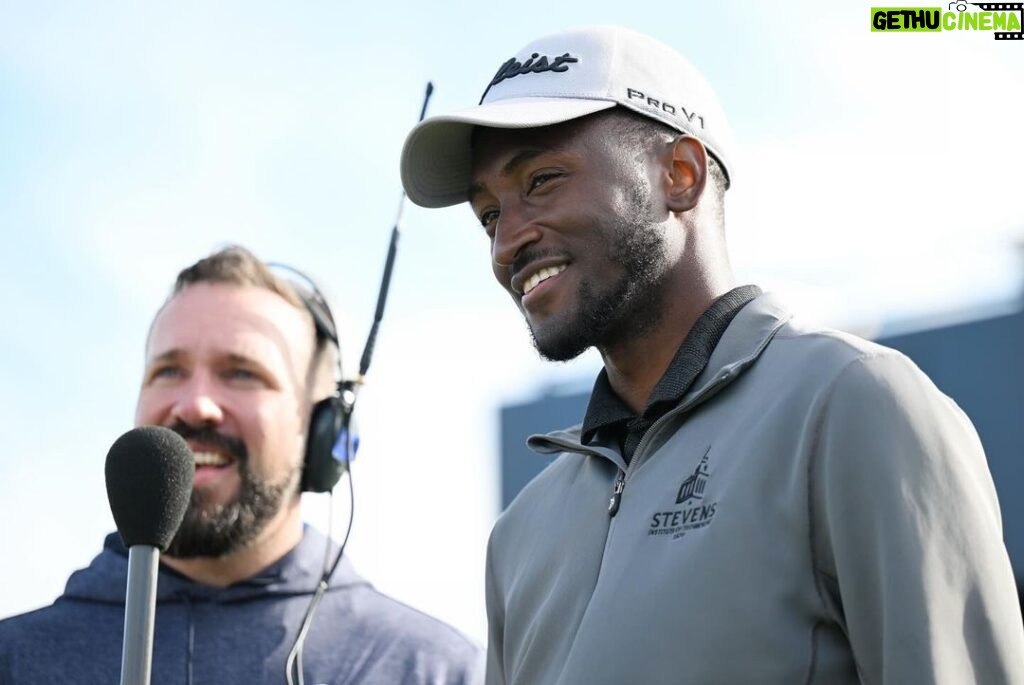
{"x":536,"y":64}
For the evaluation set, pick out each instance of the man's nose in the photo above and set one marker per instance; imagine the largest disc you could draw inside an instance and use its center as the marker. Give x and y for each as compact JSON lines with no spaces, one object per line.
{"x":197,"y":403}
{"x":517,"y":228}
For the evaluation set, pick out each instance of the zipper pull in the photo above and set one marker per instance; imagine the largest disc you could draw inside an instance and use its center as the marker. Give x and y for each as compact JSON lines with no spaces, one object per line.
{"x":616,"y":499}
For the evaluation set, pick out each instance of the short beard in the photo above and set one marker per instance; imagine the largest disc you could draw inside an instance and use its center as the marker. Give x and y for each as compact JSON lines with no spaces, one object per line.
{"x":633,"y":304}
{"x":218,"y":530}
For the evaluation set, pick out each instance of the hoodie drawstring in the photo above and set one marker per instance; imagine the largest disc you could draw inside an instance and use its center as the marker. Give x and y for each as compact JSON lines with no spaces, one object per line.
{"x":191,"y":637}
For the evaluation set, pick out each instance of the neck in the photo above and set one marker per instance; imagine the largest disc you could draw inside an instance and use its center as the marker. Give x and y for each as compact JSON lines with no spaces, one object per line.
{"x":281,"y":534}
{"x":636,"y":364}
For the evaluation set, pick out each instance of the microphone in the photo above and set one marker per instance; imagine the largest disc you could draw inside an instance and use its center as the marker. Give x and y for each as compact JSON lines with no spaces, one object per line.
{"x":149,"y":473}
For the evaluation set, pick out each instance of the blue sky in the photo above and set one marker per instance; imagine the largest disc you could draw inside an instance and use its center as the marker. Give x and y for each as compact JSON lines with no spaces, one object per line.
{"x":879,"y":181}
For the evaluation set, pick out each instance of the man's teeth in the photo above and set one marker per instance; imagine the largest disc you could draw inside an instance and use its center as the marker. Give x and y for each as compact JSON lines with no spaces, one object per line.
{"x":541,"y":276}
{"x":209,"y":459}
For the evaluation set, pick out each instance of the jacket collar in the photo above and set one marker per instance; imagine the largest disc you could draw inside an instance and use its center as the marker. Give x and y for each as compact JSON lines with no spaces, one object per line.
{"x":740,"y":346}
{"x":607,"y":410}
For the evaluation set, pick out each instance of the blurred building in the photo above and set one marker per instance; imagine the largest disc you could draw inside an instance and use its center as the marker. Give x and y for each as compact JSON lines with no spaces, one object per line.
{"x":978,"y":362}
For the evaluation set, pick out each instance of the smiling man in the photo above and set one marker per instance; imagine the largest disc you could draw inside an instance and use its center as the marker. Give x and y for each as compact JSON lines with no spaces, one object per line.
{"x":235,"y":360}
{"x":749,"y":498}
{"x":234,"y":370}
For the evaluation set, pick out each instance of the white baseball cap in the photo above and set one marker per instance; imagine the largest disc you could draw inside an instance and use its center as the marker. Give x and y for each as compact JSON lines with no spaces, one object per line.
{"x":561,"y":77}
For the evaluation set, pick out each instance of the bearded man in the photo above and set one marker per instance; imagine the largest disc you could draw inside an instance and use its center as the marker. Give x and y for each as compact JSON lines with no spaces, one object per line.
{"x":235,"y":361}
{"x":749,"y":498}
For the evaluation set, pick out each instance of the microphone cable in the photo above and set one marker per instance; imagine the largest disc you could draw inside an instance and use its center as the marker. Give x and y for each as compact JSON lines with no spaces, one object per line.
{"x":349,"y":392}
{"x":293,"y":665}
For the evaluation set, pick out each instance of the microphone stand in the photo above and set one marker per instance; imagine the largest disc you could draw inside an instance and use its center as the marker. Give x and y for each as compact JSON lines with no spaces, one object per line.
{"x":139,"y":615}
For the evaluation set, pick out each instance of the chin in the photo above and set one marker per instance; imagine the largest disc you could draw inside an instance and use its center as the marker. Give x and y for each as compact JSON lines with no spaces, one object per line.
{"x":558,"y":343}
{"x":210,"y":501}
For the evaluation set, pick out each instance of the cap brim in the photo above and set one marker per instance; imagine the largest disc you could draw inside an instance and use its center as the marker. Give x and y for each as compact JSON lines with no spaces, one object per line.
{"x":437,"y":159}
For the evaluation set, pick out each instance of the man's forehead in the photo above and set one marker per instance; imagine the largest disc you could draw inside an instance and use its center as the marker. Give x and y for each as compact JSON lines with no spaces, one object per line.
{"x":215,"y":314}
{"x":503,"y":150}
{"x":555,"y":135}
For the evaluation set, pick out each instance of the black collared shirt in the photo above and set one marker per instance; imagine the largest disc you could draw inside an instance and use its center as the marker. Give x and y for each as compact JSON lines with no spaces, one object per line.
{"x":610,"y":421}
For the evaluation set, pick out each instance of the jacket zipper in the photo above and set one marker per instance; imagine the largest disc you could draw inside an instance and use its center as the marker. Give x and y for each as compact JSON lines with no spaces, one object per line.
{"x":613,"y":503}
{"x":620,"y":481}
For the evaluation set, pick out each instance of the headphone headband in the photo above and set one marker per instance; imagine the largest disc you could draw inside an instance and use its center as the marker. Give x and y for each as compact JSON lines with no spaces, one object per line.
{"x":330,"y":420}
{"x":313,"y":299}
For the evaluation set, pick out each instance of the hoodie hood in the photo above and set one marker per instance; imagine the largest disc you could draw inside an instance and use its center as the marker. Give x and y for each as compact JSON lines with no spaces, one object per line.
{"x":296,"y":573}
{"x":243,"y":633}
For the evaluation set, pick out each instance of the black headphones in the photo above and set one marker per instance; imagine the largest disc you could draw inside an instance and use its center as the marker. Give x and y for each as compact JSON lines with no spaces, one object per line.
{"x":332,"y":441}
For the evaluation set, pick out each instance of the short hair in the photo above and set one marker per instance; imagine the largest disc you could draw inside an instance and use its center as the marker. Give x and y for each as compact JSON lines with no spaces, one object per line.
{"x":638,"y":130}
{"x":236,"y":265}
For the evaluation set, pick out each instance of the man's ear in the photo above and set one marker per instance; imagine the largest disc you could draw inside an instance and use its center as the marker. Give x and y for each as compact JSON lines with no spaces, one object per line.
{"x":687,"y":174}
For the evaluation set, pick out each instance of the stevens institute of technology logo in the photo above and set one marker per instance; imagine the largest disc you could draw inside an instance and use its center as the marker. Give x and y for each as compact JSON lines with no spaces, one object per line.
{"x":999,"y":18}
{"x":694,"y":513}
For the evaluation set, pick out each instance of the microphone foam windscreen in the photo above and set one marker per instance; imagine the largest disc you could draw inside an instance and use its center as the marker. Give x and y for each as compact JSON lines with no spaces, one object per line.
{"x":149,"y":474}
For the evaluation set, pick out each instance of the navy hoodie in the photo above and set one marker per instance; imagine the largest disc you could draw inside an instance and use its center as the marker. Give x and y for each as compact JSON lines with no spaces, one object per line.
{"x":238,"y":634}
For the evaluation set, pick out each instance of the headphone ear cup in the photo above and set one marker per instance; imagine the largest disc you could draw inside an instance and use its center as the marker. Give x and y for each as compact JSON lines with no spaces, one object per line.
{"x":321,"y":471}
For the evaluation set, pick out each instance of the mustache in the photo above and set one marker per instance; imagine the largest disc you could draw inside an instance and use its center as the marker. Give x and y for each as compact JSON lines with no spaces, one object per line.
{"x":210,"y":436}
{"x":529,"y":255}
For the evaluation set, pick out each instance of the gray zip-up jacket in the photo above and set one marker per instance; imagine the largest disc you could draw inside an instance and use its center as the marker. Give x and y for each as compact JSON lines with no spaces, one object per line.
{"x":813,"y":511}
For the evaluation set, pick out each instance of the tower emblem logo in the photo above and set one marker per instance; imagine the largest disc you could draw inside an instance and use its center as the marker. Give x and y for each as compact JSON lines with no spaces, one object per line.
{"x":693,"y":486}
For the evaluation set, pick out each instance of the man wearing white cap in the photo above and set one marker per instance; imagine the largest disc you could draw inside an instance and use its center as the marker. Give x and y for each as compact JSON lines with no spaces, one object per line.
{"x":749,"y":498}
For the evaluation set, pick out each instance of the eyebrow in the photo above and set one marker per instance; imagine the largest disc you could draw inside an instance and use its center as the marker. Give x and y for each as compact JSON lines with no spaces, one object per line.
{"x":169,"y":355}
{"x":234,"y":358}
{"x":511,"y":166}
{"x":176,"y":354}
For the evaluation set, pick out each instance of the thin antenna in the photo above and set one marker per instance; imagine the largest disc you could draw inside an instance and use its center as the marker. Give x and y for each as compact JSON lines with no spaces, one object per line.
{"x":347,"y":390}
{"x":382,"y":297}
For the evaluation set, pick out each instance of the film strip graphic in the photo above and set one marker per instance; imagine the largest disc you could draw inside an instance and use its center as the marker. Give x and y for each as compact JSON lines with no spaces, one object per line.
{"x":1004,"y":7}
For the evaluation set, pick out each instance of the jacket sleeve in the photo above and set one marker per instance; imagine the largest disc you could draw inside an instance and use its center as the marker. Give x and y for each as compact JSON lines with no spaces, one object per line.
{"x":495,"y":621}
{"x":907,"y":533}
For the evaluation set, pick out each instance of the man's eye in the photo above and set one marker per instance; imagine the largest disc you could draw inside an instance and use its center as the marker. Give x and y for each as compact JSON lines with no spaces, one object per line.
{"x":488,"y":217}
{"x":240,"y":374}
{"x":541,"y":179}
{"x":166,"y":372}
